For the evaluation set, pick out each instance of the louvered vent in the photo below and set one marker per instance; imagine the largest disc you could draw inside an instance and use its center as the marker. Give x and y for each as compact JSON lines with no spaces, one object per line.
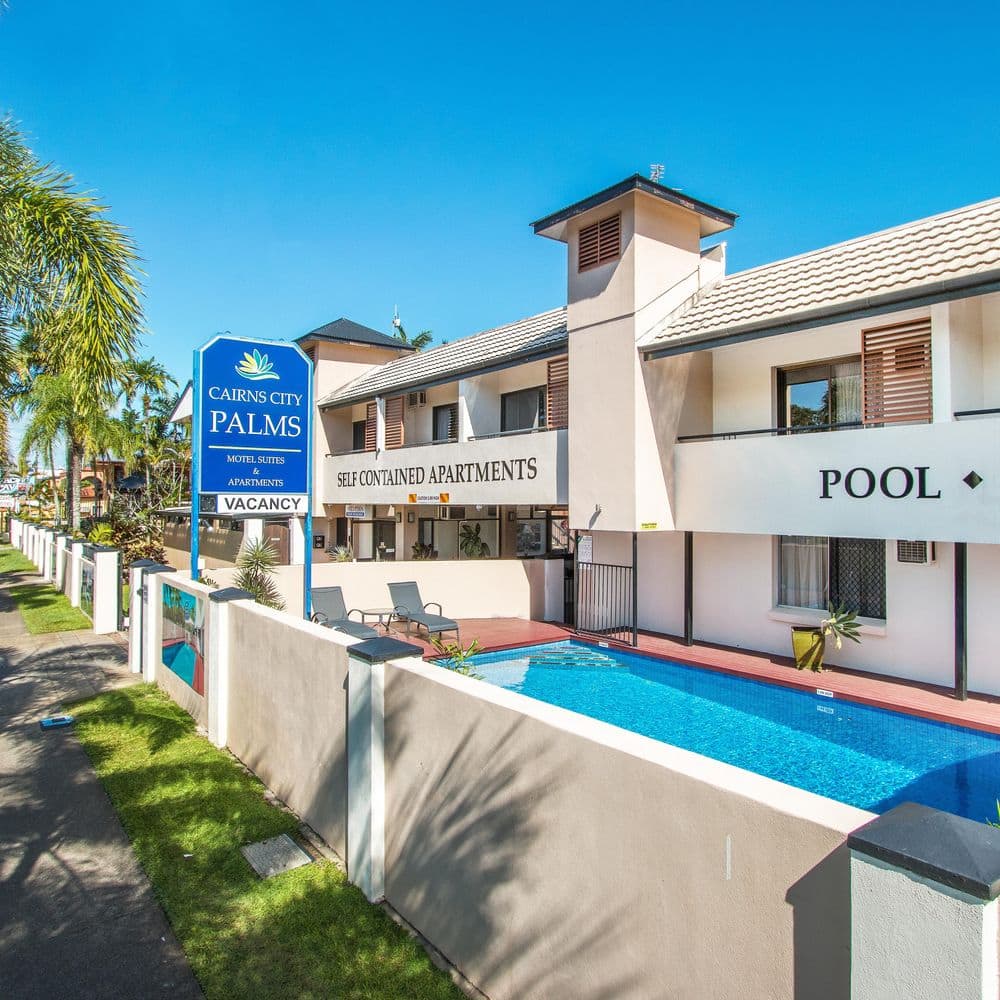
{"x":896,"y":363}
{"x":371,"y":418}
{"x":914,"y":552}
{"x":600,"y":242}
{"x":557,"y":391}
{"x":394,"y":422}
{"x":310,"y":353}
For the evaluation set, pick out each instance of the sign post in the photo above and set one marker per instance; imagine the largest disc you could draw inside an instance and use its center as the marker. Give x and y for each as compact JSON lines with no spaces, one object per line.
{"x":252,"y":451}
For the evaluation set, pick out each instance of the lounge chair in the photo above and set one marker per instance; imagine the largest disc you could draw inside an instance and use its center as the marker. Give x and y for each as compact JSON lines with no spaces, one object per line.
{"x":330,"y":611}
{"x":409,"y":607}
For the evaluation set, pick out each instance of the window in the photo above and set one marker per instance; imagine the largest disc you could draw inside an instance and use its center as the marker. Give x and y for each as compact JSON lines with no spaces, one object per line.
{"x":358,"y":435}
{"x":445,"y":420}
{"x":523,"y":410}
{"x":815,"y":572}
{"x":820,"y":396}
{"x":599,"y":242}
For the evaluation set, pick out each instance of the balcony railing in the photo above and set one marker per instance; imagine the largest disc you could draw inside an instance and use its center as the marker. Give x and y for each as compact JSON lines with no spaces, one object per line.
{"x":773,"y":432}
{"x":501,"y":434}
{"x":425,"y":444}
{"x":963,"y":414}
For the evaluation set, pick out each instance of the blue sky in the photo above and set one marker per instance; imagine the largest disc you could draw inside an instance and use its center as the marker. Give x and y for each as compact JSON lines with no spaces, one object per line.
{"x":283,"y":165}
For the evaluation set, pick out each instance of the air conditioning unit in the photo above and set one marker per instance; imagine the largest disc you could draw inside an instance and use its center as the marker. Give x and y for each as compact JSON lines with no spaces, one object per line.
{"x":915,"y":552}
{"x":416,"y":399}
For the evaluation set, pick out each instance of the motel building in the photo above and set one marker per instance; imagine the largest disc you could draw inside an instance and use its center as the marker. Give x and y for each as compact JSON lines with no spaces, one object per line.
{"x":710,"y":456}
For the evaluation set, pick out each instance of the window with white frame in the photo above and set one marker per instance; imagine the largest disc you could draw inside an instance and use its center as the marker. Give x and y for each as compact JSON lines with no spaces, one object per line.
{"x":816,"y":572}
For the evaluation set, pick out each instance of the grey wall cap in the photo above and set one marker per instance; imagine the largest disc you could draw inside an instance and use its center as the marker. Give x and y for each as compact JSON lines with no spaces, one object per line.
{"x":383,"y":648}
{"x":952,"y":850}
{"x":160,"y":568}
{"x":103,"y":548}
{"x":141,"y":563}
{"x":230,"y":594}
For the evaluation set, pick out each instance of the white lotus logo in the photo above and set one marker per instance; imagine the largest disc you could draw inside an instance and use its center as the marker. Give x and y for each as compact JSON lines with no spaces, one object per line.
{"x":256,"y":367}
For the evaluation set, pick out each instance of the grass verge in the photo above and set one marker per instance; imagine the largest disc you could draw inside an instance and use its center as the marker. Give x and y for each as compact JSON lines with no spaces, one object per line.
{"x":43,"y":608}
{"x":188,"y":808}
{"x":15,"y":561}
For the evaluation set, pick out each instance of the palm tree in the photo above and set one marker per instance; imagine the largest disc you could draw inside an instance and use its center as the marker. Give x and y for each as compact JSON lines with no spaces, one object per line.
{"x":145,"y":377}
{"x":68,"y":275}
{"x":49,"y":409}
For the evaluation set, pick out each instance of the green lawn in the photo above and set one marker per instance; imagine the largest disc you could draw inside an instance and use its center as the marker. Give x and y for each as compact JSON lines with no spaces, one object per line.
{"x":43,"y":608}
{"x":188,"y":808}
{"x":15,"y":561}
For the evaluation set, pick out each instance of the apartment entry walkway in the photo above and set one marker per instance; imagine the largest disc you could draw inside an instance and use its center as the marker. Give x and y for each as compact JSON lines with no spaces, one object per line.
{"x":78,"y":918}
{"x":938,"y":703}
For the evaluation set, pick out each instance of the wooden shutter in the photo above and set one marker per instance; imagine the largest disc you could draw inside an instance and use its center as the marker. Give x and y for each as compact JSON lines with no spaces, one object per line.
{"x":896,"y":366}
{"x":371,"y":421}
{"x":453,"y":422}
{"x":557,"y":393}
{"x":394,"y":422}
{"x":599,"y":242}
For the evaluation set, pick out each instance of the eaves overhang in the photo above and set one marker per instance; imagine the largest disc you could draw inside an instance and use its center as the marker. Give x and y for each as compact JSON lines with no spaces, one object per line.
{"x":875,"y":305}
{"x":416,"y":385}
{"x":715,"y":220}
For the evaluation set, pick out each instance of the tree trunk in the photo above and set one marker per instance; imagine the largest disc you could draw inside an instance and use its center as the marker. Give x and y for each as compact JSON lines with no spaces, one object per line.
{"x":55,"y":484}
{"x":73,"y":481}
{"x":69,"y":483}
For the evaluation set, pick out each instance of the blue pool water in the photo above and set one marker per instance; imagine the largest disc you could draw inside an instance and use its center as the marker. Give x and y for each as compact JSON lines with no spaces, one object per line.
{"x":863,"y":756}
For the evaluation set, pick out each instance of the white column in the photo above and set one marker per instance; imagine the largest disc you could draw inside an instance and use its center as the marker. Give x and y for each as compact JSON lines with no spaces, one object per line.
{"x":137,"y":580}
{"x":366,"y":776}
{"x":152,"y":620}
{"x":48,"y":541}
{"x":253,"y":530}
{"x":60,"y":578}
{"x":924,"y":910}
{"x":297,"y":540}
{"x":941,"y":362}
{"x":217,"y":661}
{"x":75,"y":573}
{"x":380,"y":424}
{"x":107,"y":589}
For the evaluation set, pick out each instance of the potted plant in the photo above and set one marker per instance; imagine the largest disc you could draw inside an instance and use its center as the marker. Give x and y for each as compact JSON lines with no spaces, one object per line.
{"x":809,"y":641}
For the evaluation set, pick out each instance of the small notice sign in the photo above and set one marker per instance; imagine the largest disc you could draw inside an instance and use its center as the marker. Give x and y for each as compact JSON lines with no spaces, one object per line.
{"x":240,"y":503}
{"x":585,"y":549}
{"x":648,"y":525}
{"x":428,"y":498}
{"x":359,"y":512}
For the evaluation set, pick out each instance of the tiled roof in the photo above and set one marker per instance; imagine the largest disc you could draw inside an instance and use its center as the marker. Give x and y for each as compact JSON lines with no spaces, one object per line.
{"x":955,"y":249}
{"x":353,"y":333}
{"x":521,"y":340}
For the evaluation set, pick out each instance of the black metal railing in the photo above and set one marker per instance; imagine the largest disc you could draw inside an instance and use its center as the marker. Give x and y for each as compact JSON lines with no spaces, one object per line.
{"x":525,"y":430}
{"x":991,"y":412}
{"x":605,"y":601}
{"x":772,"y":432}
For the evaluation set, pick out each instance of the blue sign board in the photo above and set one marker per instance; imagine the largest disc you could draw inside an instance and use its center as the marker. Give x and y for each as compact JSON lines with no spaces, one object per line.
{"x":252,"y":435}
{"x":252,"y":425}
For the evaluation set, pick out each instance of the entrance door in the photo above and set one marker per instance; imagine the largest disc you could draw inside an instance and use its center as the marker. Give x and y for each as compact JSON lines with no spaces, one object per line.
{"x":276,"y":532}
{"x":384,"y":541}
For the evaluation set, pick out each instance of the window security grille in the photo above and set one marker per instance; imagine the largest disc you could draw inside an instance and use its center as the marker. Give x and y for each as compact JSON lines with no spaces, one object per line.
{"x":857,"y":575}
{"x":599,"y":242}
{"x":915,"y":552}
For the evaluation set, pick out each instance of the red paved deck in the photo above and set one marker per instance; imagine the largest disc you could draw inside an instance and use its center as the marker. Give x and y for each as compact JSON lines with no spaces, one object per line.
{"x":979,"y":712}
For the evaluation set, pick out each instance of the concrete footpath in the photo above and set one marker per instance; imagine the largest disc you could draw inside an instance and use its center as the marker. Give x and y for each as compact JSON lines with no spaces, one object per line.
{"x":77,"y":915}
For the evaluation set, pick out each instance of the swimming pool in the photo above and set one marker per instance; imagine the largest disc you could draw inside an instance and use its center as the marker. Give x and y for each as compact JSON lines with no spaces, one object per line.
{"x":863,"y":756}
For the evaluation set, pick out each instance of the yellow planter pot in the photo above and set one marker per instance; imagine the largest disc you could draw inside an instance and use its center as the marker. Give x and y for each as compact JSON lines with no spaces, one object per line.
{"x":808,"y":645}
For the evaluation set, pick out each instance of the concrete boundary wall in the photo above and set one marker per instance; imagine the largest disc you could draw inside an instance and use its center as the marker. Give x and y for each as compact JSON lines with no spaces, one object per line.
{"x":287,"y":712}
{"x":550,"y":855}
{"x":487,"y":588}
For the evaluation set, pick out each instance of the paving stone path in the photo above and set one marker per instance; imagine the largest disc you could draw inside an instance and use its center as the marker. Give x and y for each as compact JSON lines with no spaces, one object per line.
{"x":77,"y":915}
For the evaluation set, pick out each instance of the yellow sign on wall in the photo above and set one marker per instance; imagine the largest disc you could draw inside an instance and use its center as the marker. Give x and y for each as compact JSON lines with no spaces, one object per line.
{"x":648,"y":525}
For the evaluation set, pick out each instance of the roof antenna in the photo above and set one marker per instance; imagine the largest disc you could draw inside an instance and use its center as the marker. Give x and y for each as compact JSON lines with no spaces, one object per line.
{"x":395,"y":318}
{"x":655,"y":172}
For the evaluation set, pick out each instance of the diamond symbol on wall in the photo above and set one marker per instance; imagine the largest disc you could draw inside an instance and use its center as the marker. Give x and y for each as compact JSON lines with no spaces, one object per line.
{"x":972,"y":480}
